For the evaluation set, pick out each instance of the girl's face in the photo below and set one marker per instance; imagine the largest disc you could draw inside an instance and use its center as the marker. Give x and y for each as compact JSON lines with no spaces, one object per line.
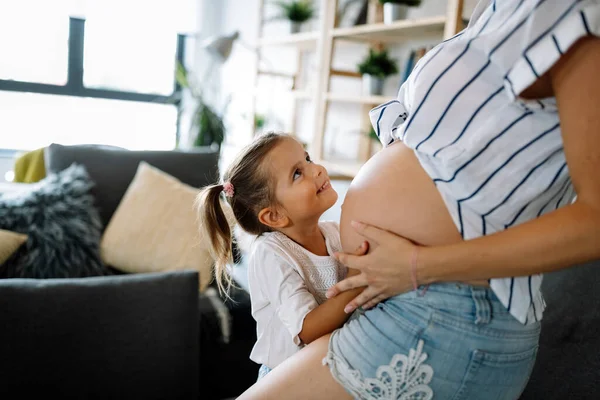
{"x":302,"y":187}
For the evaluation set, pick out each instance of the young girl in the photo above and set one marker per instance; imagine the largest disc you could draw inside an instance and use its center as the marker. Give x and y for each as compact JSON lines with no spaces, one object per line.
{"x":278,"y":194}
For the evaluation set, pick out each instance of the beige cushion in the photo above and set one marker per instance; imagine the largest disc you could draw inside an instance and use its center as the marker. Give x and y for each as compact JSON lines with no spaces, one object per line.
{"x":9,"y":243}
{"x":155,"y":228}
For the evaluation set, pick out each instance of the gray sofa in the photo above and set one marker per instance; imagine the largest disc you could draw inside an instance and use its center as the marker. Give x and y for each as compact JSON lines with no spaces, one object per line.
{"x":113,"y":337}
{"x":568,"y":361}
{"x":223,"y":368}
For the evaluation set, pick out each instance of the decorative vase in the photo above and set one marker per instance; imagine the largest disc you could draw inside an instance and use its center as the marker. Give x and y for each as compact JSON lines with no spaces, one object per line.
{"x":295,"y":27}
{"x":394,"y":12}
{"x":372,"y":85}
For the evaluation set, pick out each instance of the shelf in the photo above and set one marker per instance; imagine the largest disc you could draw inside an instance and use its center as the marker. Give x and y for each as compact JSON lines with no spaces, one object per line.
{"x":305,"y":40}
{"x":302,"y":94}
{"x":327,"y":41}
{"x":395,"y":32}
{"x":374,"y":100}
{"x":297,"y":94}
{"x":345,"y":168}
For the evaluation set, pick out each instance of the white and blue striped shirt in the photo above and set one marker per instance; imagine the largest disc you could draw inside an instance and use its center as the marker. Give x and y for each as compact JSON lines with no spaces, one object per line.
{"x":496,"y":159}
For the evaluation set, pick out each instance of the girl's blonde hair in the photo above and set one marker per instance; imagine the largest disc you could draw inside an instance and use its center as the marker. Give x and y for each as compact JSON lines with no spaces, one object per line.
{"x":252,"y":192}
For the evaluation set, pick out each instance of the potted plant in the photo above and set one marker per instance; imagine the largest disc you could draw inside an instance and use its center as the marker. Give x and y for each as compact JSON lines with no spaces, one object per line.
{"x":296,"y":11}
{"x":259,"y":122}
{"x":207,"y":127}
{"x":394,"y":10}
{"x":375,"y":142}
{"x":375,"y":68}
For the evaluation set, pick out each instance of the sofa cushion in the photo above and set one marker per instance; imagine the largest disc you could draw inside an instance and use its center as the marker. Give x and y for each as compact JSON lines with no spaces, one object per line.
{"x":9,"y":243}
{"x":63,"y":227}
{"x":568,"y":358}
{"x":113,"y":169}
{"x":117,"y":337}
{"x":155,"y":228}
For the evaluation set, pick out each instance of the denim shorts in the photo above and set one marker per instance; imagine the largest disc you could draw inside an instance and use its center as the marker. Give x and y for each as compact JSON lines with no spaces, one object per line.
{"x":262,"y":372}
{"x":454,"y":342}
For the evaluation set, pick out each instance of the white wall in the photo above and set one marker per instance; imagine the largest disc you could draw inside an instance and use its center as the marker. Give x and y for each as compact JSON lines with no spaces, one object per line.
{"x":228,"y":84}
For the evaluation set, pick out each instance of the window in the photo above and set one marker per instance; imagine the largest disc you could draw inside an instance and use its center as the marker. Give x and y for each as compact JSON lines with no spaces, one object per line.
{"x":32,"y":120}
{"x":34,"y":45}
{"x":105,"y":77}
{"x":133,"y":49}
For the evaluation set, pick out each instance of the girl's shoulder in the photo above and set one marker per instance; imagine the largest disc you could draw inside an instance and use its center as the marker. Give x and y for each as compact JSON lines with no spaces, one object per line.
{"x":330,"y":227}
{"x":331,"y":231}
{"x":272,"y":246}
{"x":269,"y":242}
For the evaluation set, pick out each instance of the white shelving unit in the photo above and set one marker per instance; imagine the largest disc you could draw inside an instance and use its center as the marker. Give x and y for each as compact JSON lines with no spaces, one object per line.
{"x":323,"y":42}
{"x":302,"y":40}
{"x":395,"y":32}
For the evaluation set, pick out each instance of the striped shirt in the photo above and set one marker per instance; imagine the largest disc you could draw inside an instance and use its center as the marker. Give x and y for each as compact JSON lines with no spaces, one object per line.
{"x":496,"y":159}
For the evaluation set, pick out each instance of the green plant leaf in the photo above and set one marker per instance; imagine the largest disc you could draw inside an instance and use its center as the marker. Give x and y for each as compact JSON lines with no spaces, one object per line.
{"x":378,"y":63}
{"x":207,"y":126}
{"x":259,"y":121}
{"x":296,"y":10}
{"x":181,"y":76}
{"x":373,"y":135}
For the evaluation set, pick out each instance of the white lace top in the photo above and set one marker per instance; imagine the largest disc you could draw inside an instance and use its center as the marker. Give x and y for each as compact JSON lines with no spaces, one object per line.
{"x":286,"y":282}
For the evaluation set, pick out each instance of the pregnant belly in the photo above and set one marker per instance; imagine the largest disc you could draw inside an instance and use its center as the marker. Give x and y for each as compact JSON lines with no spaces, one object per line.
{"x":393,"y":192}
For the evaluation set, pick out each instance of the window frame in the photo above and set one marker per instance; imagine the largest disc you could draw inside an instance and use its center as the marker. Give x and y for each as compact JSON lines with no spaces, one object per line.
{"x":75,"y":87}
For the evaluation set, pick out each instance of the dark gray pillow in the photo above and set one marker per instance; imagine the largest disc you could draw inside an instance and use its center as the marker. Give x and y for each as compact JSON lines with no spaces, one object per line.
{"x":113,"y":170}
{"x":62,"y":225}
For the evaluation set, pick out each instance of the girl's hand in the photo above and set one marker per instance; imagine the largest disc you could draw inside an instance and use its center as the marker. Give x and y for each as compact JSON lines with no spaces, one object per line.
{"x":360,"y":251}
{"x":384,"y":270}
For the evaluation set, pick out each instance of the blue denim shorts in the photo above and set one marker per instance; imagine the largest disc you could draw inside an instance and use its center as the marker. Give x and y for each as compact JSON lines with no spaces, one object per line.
{"x":454,"y":342}
{"x":262,"y":372}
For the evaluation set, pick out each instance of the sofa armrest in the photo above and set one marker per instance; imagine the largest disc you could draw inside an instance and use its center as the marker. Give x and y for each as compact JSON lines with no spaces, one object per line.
{"x":132,"y":336}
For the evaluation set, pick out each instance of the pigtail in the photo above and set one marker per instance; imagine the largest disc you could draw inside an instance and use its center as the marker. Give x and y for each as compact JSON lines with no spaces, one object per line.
{"x":252,"y":192}
{"x":215,"y":226}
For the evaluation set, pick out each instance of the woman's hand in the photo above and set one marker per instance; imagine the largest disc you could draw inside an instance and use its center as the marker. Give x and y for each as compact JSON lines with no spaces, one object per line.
{"x":384,"y":270}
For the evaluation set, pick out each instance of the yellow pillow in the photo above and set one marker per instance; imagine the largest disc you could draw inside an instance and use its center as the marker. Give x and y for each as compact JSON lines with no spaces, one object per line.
{"x":9,"y":243}
{"x":155,"y":228}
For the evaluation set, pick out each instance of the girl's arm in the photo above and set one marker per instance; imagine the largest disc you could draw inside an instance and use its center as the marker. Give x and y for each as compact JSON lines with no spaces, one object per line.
{"x":328,"y":316}
{"x":559,"y":239}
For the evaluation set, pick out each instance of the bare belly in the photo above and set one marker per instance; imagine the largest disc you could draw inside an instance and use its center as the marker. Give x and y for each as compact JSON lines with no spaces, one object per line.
{"x":393,"y":192}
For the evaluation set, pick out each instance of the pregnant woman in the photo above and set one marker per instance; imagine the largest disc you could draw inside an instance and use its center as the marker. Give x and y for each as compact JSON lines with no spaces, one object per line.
{"x":489,"y":179}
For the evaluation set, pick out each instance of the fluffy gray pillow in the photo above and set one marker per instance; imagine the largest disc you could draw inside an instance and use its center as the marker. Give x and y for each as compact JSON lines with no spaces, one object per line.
{"x":63,"y":228}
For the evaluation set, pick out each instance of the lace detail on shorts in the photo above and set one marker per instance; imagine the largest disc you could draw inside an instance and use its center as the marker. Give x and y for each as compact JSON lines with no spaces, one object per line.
{"x":405,"y":378}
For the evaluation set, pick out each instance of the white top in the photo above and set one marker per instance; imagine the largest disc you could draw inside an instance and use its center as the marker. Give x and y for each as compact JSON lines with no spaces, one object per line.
{"x":286,"y":282}
{"x":496,"y":159}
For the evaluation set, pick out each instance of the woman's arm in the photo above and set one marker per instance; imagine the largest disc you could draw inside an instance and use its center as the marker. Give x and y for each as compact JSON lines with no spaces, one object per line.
{"x":568,"y":236}
{"x":559,"y":239}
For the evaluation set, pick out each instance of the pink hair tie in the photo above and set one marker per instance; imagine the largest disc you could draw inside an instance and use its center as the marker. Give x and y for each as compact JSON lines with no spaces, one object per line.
{"x":228,"y":189}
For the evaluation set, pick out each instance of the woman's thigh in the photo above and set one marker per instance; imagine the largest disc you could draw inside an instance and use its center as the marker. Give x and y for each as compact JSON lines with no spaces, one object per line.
{"x":408,"y":347}
{"x":302,"y":376}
